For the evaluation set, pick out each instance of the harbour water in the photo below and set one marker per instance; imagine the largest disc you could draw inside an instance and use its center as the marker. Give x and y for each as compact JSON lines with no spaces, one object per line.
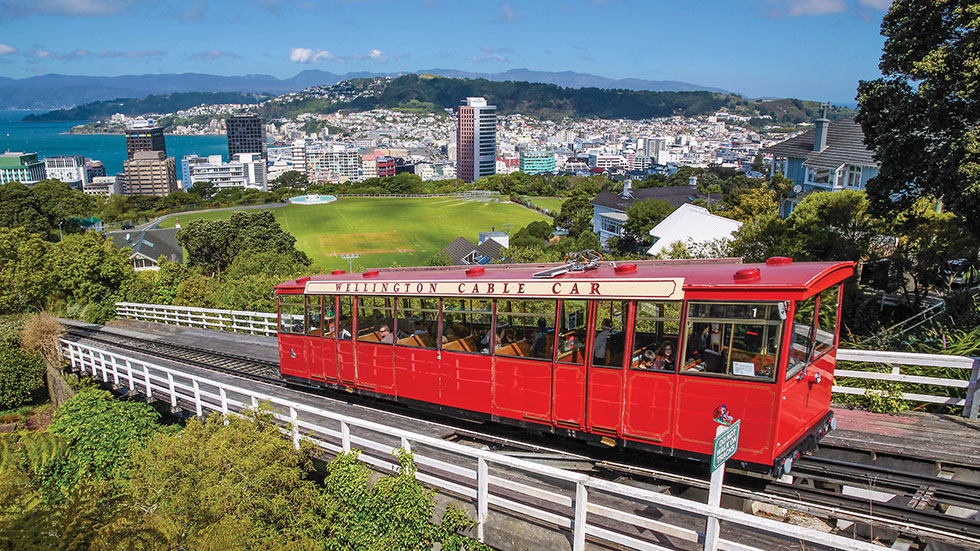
{"x":49,"y":139}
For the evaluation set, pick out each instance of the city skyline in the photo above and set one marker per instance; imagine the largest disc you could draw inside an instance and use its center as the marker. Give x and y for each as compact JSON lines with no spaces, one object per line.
{"x":812,"y":49}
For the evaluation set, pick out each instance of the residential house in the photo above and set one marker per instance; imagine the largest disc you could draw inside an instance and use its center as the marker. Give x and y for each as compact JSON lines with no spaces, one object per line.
{"x":829,"y":157}
{"x":609,"y":209}
{"x":148,"y":246}
{"x":462,"y":251}
{"x":691,"y":225}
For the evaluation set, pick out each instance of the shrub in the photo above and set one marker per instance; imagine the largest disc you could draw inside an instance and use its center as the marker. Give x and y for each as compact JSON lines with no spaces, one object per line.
{"x":21,"y":373}
{"x":40,"y":335}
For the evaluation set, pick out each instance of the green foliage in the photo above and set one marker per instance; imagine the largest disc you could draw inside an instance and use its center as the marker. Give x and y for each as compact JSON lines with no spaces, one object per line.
{"x":10,"y":328}
{"x":642,"y":216}
{"x":922,"y":119}
{"x":197,"y":290}
{"x":231,"y":482}
{"x":40,"y":208}
{"x":394,"y":513}
{"x":213,"y":244}
{"x":103,"y":433}
{"x":25,"y":279}
{"x":21,"y":374}
{"x":885,"y":397}
{"x":575,"y":215}
{"x":89,"y":269}
{"x":440,"y":259}
{"x":291,"y":179}
{"x":162,"y":103}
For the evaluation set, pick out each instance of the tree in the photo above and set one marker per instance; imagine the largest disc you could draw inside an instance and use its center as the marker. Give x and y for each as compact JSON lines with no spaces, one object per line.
{"x":231,"y":482}
{"x":25,"y":277}
{"x":21,"y":374}
{"x":103,"y":433}
{"x":291,"y":179}
{"x":747,"y":204}
{"x":642,"y":216}
{"x":88,"y":269}
{"x":922,"y":119}
{"x":213,"y":244}
{"x":204,"y":189}
{"x":834,"y":226}
{"x":575,"y":215}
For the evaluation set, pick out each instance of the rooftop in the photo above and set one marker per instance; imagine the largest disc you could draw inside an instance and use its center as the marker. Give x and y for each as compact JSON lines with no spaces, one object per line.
{"x":845,"y":145}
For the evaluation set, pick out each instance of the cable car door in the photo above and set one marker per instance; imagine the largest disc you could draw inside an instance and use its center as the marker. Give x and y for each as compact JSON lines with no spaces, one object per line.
{"x":604,"y":402}
{"x":651,"y":377}
{"x":346,"y":366}
{"x":568,"y":407}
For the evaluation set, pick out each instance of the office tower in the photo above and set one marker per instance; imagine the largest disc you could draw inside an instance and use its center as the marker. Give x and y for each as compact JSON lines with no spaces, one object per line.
{"x":150,"y":173}
{"x":21,"y":167}
{"x":537,"y":162}
{"x":246,"y":134}
{"x":144,"y":139}
{"x":476,"y":139}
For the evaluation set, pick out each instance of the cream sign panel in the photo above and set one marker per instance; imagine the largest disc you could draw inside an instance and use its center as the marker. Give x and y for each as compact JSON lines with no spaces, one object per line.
{"x":663,"y":288}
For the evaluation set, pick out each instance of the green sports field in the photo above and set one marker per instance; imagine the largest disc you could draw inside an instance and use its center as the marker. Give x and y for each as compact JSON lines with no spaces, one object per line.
{"x":551,"y":203}
{"x":385,"y":230}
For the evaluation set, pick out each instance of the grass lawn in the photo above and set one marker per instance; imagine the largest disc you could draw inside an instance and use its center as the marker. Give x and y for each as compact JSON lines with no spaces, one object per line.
{"x":385,"y":230}
{"x":551,"y":203}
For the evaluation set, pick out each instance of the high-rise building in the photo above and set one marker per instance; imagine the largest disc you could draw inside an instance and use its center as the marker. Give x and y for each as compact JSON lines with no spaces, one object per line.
{"x":188,"y":163}
{"x":246,"y":134}
{"x":385,"y":166}
{"x":150,"y":173}
{"x":256,"y":172}
{"x":70,"y":169}
{"x":476,"y":139}
{"x":21,"y":167}
{"x":332,"y":164}
{"x":537,"y":162}
{"x":144,"y":139}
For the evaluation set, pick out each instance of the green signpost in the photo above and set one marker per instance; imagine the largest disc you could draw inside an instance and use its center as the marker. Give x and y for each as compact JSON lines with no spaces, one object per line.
{"x":726,"y":444}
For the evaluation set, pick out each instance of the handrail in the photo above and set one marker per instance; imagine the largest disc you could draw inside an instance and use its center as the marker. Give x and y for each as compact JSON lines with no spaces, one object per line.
{"x":584,"y":505}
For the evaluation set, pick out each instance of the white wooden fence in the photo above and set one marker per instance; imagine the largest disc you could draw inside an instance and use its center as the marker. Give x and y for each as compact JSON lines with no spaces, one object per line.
{"x":576,"y":503}
{"x":265,"y":323}
{"x":256,"y":323}
{"x":895,"y":361}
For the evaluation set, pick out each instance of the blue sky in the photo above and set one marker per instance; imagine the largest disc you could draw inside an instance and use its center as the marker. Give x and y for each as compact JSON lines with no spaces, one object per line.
{"x":812,"y":49}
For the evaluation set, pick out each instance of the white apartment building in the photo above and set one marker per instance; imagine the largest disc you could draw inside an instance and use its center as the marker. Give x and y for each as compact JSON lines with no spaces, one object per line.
{"x":332,"y":164}
{"x":70,"y":169}
{"x":607,"y":161}
{"x":103,"y":185}
{"x":256,"y":173}
{"x":221,"y":174}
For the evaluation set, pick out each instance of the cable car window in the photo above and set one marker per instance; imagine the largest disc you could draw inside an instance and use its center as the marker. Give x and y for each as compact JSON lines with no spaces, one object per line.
{"x":721,"y":343}
{"x":329,"y":320}
{"x":291,"y":314}
{"x":802,"y":348}
{"x":525,"y":329}
{"x":466,"y":325}
{"x":418,"y":322}
{"x":572,"y":331}
{"x":376,"y":319}
{"x":826,"y":321}
{"x":313,"y":315}
{"x":345,"y":318}
{"x":609,"y":340}
{"x":656,"y":333}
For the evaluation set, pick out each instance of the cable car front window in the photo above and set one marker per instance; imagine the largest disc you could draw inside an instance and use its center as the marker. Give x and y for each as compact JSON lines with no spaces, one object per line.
{"x":734,"y":340}
{"x":802,"y":347}
{"x":291,"y":314}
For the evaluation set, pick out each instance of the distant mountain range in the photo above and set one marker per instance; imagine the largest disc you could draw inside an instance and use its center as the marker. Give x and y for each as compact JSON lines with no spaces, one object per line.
{"x":54,"y":91}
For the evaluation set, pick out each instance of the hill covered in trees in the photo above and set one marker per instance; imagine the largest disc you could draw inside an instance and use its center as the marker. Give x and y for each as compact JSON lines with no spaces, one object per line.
{"x":434,"y":93}
{"x":165,"y":103}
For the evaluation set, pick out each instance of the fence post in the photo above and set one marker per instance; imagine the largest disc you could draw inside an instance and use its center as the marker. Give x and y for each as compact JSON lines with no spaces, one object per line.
{"x":972,"y":406}
{"x":581,"y":508}
{"x":197,"y":398}
{"x":146,"y":379}
{"x":115,"y":371}
{"x":482,"y":498}
{"x":345,"y":436}
{"x":294,"y":419}
{"x":172,"y":388}
{"x":129,"y":374}
{"x":224,"y":401}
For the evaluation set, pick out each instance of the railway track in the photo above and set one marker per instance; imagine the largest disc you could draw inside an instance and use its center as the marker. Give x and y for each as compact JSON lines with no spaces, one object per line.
{"x":881,"y":499}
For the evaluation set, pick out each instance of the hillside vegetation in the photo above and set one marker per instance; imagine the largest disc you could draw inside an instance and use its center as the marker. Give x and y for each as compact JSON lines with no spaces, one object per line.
{"x":419,"y":93}
{"x":166,"y":103}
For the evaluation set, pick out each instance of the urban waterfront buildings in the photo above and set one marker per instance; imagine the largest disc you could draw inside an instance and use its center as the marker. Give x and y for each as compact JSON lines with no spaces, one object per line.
{"x":21,"y":167}
{"x":332,"y":164}
{"x":74,"y":170}
{"x":476,"y":139}
{"x":144,"y":139}
{"x":246,"y":134}
{"x":150,"y":173}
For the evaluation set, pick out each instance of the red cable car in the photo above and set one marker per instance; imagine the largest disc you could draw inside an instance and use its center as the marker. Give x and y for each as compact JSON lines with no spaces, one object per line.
{"x":648,"y":355}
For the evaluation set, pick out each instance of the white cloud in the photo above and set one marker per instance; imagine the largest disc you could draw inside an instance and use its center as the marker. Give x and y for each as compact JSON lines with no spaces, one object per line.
{"x":5,"y":49}
{"x":489,"y":57}
{"x":492,"y":50}
{"x":196,"y":12}
{"x":309,"y":55}
{"x":876,"y":4}
{"x":131,"y":54}
{"x":44,"y":54}
{"x":797,"y":8}
{"x":508,"y":13}
{"x":377,"y":54}
{"x":63,"y":7}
